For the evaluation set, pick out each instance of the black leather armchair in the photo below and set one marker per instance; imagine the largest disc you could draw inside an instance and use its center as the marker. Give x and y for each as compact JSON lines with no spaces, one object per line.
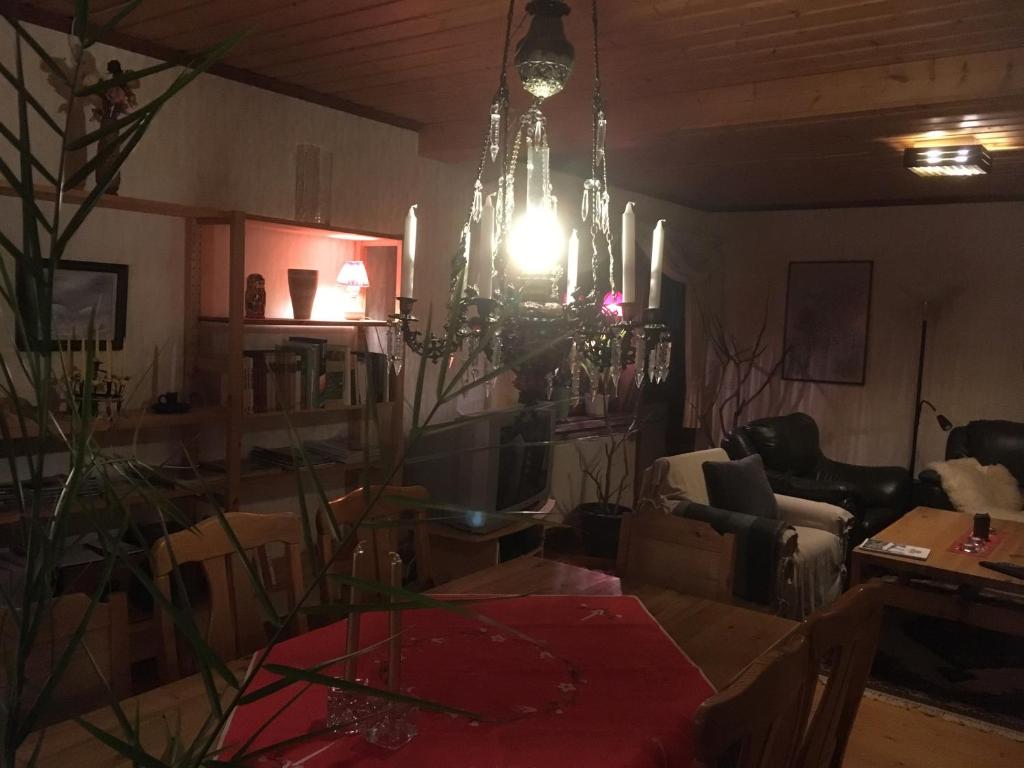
{"x":990,"y":442}
{"x":790,"y":448}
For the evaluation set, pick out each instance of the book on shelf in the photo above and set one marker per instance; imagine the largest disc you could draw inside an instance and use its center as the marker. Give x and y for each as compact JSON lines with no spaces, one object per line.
{"x":297,"y":373}
{"x":371,"y":378}
{"x":337,"y":377}
{"x":312,"y":352}
{"x":286,"y":375}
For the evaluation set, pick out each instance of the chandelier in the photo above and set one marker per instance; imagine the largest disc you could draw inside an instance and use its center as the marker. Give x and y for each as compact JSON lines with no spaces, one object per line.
{"x":515,"y":295}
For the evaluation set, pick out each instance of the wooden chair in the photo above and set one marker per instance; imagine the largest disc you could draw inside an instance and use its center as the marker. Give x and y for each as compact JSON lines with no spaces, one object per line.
{"x":844,"y":638}
{"x":758,"y":719}
{"x":688,"y":556}
{"x":81,"y":687}
{"x":235,"y":623}
{"x":348,"y":511}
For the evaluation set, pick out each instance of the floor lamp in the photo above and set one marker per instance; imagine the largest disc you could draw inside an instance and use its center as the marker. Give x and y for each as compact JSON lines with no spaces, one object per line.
{"x":944,"y":423}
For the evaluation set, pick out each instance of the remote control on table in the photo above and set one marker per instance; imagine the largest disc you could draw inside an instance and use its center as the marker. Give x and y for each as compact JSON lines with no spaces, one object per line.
{"x":1010,"y":569}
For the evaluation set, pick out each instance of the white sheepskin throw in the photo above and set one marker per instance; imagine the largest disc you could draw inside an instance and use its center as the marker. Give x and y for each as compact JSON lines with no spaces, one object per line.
{"x":974,"y":487}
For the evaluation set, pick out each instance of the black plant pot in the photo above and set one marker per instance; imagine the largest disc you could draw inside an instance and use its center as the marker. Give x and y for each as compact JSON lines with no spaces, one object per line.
{"x":600,"y":526}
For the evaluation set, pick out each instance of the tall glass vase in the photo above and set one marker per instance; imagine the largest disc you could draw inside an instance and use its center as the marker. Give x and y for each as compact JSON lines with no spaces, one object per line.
{"x":313,"y":179}
{"x":393,"y":726}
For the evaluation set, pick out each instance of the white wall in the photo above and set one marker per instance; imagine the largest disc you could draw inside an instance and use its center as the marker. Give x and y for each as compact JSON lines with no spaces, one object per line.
{"x":968,"y":260}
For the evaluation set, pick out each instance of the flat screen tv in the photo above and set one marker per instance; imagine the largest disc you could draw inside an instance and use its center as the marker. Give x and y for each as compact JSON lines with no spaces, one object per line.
{"x":488,"y":463}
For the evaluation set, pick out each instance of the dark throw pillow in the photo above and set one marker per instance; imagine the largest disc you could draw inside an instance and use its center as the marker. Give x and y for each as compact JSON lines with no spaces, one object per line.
{"x":740,"y":486}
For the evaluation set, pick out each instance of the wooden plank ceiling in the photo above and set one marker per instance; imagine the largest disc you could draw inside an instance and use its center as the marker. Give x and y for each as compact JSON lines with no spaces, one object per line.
{"x":719,"y":104}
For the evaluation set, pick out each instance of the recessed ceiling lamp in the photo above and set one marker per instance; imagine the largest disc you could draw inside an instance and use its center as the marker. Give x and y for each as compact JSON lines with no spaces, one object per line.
{"x":966,"y":160}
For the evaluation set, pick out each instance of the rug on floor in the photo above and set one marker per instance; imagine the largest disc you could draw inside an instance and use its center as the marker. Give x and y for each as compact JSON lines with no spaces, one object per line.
{"x":951,"y":666}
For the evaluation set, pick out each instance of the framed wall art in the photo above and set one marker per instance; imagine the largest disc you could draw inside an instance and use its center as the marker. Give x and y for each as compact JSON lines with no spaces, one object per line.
{"x":84,"y":291}
{"x":828,"y":306}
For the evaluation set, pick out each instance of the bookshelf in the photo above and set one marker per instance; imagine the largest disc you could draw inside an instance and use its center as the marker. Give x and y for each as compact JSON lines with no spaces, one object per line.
{"x":220,"y":249}
{"x":222,"y":343}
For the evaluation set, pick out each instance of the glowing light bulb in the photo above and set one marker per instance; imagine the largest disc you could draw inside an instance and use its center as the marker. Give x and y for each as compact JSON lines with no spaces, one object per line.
{"x":537,"y":242}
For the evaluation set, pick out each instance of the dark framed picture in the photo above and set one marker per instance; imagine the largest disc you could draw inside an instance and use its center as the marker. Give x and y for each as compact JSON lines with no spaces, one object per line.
{"x":84,"y":291}
{"x":828,"y":307}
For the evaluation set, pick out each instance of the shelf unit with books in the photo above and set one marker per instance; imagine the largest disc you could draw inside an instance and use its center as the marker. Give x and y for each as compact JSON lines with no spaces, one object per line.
{"x":220,"y":249}
{"x":285,"y":375}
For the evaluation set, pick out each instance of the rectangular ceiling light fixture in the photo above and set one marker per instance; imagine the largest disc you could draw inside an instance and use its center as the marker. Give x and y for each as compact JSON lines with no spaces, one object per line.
{"x":966,"y":160}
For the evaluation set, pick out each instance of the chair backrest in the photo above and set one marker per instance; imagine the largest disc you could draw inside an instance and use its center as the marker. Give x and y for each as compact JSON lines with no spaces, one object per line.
{"x":105,"y":640}
{"x":757,"y":720}
{"x":990,"y":442}
{"x":673,"y":478}
{"x":844,"y":639}
{"x":236,"y":624}
{"x":390,"y":507}
{"x":673,"y":552}
{"x":789,"y":443}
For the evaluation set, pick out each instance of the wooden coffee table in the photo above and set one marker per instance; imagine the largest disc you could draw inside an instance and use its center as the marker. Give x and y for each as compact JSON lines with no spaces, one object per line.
{"x":950,"y":585}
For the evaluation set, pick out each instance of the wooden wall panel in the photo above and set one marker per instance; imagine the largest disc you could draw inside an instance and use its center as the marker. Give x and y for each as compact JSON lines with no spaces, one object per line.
{"x":672,"y":69}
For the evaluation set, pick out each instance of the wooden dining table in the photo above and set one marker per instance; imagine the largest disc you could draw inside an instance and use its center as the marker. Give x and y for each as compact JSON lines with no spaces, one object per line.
{"x":721,"y":639}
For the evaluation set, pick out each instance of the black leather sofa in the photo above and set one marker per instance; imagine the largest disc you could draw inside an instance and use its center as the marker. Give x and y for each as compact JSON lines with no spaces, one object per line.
{"x":791,"y":450}
{"x":990,"y":442}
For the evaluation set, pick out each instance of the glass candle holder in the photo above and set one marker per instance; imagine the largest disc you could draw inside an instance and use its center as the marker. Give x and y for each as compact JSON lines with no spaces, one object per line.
{"x":313,"y":178}
{"x":349,"y":712}
{"x":392,"y":726}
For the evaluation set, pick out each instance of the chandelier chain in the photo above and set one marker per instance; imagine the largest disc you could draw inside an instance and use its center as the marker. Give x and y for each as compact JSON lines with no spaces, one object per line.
{"x":598,"y":209}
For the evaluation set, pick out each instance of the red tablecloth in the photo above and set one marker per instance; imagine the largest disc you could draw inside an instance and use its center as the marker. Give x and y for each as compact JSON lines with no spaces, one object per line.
{"x":581,"y":681}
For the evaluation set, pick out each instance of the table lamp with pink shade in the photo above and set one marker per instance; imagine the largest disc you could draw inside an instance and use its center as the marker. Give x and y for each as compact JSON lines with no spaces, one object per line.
{"x":353,"y":276}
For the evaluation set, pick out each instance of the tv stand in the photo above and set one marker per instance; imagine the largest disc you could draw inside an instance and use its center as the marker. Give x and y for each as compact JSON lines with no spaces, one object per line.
{"x":456,"y":553}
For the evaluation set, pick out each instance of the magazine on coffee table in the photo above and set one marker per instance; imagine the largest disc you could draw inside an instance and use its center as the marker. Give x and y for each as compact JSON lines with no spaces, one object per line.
{"x":894,"y":549}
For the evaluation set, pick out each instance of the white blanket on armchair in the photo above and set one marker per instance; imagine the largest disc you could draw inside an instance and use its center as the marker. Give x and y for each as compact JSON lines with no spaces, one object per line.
{"x":975,"y":487}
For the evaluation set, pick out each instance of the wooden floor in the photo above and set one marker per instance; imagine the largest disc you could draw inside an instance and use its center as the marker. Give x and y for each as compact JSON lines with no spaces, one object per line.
{"x":889,"y":736}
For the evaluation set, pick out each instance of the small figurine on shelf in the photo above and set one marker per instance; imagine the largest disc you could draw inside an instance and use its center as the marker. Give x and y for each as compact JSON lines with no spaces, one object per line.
{"x":108,"y":390}
{"x":115,"y":101}
{"x":255,"y":296}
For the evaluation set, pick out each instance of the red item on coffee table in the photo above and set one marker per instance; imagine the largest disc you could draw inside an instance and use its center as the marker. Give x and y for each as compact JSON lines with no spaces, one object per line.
{"x":990,"y":544}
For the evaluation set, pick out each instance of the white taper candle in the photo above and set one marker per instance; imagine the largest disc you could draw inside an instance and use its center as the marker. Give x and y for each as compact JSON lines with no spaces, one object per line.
{"x":409,"y":253}
{"x":572,"y":266}
{"x":657,"y":256}
{"x":628,"y":254}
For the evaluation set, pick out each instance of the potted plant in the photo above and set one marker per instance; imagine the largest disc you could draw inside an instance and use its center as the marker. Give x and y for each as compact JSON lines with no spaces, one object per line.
{"x":607,"y":476}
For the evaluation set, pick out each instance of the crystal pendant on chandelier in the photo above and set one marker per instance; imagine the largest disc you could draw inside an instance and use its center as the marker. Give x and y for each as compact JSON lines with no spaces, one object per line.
{"x":497,"y":352}
{"x":575,"y":371}
{"x":664,"y":354}
{"x":640,"y":355}
{"x":545,"y":58}
{"x":494,"y":135}
{"x":615,"y":364}
{"x":478,"y":201}
{"x":395,"y":347}
{"x":473,"y":369}
{"x":589,"y":187}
